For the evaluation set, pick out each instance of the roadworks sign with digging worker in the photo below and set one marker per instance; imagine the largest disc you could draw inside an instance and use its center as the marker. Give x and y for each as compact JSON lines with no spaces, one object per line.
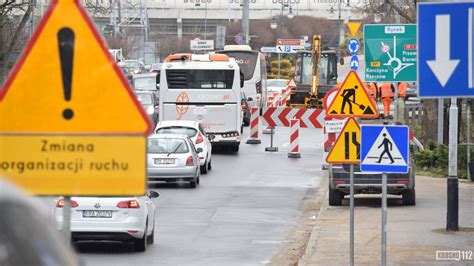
{"x":352,"y":100}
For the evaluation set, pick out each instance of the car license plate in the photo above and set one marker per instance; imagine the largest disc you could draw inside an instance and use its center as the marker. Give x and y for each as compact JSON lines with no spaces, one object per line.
{"x":97,"y":214}
{"x":164,"y":161}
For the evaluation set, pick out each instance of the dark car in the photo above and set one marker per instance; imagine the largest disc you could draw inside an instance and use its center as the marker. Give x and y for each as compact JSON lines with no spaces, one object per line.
{"x":245,"y":109}
{"x":149,"y":103}
{"x":371,"y":183}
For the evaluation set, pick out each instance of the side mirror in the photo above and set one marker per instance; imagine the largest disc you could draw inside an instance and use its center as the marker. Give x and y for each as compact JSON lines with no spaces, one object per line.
{"x":199,"y":150}
{"x":249,"y":99}
{"x":242,"y":80}
{"x":211,"y":137}
{"x":153,"y":194}
{"x":341,"y":61}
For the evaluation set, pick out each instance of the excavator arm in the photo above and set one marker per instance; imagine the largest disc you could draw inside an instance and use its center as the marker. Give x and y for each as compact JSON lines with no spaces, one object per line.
{"x":312,"y":101}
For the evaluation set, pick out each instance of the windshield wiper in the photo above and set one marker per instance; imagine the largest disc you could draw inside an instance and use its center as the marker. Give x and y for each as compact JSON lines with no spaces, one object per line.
{"x":175,"y":149}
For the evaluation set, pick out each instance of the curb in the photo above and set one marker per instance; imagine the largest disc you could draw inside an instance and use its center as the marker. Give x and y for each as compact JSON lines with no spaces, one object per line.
{"x":321,"y":203}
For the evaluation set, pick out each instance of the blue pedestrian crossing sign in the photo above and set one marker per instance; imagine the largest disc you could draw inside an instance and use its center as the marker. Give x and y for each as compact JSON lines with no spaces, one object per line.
{"x":354,"y":62}
{"x":384,"y":149}
{"x":445,"y":50}
{"x":353,"y":46}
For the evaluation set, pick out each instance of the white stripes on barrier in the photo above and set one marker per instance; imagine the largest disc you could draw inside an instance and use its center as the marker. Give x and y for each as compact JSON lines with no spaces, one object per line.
{"x":294,"y":139}
{"x":254,"y":126}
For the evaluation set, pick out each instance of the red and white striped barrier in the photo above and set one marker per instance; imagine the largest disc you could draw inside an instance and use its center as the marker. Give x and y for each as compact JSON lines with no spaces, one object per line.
{"x":272,"y":101}
{"x":254,"y":126}
{"x":285,"y":95}
{"x":294,"y":141}
{"x":280,"y":116}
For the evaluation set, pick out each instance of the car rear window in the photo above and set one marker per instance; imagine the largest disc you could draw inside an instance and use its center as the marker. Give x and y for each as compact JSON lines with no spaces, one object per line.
{"x":167,"y":145}
{"x":145,"y":99}
{"x":188,"y":131}
{"x":200,"y":79}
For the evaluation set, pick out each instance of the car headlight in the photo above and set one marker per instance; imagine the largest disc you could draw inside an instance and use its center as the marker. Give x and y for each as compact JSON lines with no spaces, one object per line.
{"x":150,"y":110}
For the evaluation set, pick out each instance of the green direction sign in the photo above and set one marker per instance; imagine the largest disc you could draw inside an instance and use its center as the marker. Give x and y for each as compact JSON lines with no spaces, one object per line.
{"x":390,"y":52}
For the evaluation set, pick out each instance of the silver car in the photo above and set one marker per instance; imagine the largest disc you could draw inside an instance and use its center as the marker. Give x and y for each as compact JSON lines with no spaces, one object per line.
{"x":172,"y":157}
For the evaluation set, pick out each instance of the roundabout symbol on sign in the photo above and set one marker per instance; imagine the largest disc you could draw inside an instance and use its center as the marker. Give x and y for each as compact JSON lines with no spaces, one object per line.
{"x":353,"y":46}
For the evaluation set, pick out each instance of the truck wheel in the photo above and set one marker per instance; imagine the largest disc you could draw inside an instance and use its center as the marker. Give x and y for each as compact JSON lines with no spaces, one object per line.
{"x":409,"y":197}
{"x":335,"y":197}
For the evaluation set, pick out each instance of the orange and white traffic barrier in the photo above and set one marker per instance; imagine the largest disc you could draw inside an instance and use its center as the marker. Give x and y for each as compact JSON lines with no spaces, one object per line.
{"x":294,"y":139}
{"x":254,"y":126}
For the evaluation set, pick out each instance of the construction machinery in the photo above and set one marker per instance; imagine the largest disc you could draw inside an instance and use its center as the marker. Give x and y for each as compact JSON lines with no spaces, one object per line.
{"x":315,"y":74}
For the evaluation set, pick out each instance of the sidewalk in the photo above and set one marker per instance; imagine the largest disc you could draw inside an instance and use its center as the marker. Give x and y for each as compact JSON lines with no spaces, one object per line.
{"x":411,"y":238}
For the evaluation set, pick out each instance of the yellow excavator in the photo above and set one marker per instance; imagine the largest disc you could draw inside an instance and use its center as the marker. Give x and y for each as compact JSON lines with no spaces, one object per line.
{"x":315,"y":74}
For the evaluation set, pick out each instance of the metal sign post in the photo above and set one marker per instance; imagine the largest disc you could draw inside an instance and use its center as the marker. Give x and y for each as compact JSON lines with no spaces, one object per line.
{"x":351,"y":204}
{"x":468,"y":137}
{"x":271,"y":148}
{"x":384,"y":219}
{"x":453,"y":182}
{"x":66,"y":226}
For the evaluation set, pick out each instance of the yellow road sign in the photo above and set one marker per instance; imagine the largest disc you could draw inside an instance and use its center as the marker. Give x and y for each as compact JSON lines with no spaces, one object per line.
{"x":353,"y":27}
{"x":75,"y":165}
{"x":69,"y":122}
{"x":352,"y":100}
{"x":346,"y":149}
{"x":66,"y":81}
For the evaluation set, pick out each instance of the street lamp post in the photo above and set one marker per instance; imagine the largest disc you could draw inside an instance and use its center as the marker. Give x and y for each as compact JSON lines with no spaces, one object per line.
{"x":274,"y":25}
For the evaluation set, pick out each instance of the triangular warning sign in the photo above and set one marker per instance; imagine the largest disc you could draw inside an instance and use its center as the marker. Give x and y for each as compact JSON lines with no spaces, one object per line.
{"x":67,"y":82}
{"x":384,"y":151}
{"x":291,"y":83}
{"x":346,"y":149}
{"x":352,"y":100}
{"x":353,"y":27}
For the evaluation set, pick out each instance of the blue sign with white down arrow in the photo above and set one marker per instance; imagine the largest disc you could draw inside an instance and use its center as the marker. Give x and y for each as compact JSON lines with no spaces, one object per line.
{"x":445,"y":50}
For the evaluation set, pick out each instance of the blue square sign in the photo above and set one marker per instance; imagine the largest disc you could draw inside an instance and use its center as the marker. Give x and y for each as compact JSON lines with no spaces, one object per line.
{"x":445,"y":50}
{"x":384,"y":149}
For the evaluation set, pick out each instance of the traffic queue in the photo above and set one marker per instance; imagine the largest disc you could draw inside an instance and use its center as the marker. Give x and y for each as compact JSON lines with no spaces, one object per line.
{"x":199,"y":105}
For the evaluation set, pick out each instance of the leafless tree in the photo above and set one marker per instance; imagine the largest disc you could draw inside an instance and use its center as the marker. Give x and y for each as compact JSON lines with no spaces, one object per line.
{"x":14,"y":16}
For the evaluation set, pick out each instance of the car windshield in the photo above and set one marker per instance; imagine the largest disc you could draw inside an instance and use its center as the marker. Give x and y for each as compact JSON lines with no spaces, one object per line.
{"x":145,"y":99}
{"x":167,"y":145}
{"x":188,"y":131}
{"x":276,"y":83}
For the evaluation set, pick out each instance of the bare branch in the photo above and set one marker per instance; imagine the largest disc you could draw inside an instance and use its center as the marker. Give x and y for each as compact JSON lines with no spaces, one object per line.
{"x":19,"y":29}
{"x":401,"y":12}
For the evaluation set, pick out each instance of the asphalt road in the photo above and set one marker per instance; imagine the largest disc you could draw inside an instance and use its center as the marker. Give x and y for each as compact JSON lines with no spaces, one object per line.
{"x":239,"y":215}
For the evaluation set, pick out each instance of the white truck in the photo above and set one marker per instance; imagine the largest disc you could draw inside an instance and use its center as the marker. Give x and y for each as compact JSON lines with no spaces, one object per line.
{"x":204,"y":88}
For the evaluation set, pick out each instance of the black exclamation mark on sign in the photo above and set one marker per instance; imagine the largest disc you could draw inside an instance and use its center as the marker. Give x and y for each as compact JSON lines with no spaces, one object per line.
{"x":66,"y":55}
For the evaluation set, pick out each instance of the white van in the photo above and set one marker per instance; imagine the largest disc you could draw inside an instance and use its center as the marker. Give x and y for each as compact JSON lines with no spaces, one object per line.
{"x":204,"y":88}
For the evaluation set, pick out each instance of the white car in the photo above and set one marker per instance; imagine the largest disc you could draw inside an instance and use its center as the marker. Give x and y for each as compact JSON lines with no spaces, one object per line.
{"x":276,"y":85}
{"x":128,"y":219}
{"x":195,"y":131}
